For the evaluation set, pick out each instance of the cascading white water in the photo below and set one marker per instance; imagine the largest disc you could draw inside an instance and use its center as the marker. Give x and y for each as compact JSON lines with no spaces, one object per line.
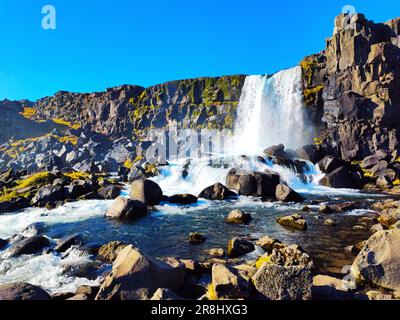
{"x":271,"y":112}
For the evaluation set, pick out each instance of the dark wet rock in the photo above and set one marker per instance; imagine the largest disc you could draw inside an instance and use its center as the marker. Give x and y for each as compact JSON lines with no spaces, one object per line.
{"x":182,"y":199}
{"x":276,"y":151}
{"x":3,"y":243}
{"x":22,"y":291}
{"x":29,"y":245}
{"x":67,"y":242}
{"x":48,"y":194}
{"x":286,"y":194}
{"x":329,"y":288}
{"x":110,"y":251}
{"x":373,"y":160}
{"x":227,"y":283}
{"x":278,"y":282}
{"x":125,"y":209}
{"x":109,"y":192}
{"x":165,"y":294}
{"x":196,"y":238}
{"x":238,"y":247}
{"x":251,"y":183}
{"x":192,"y":267}
{"x":295,"y":221}
{"x":378,"y":261}
{"x":311,"y":153}
{"x":342,"y":177}
{"x":238,"y":217}
{"x":217,"y":192}
{"x":146,"y":191}
{"x":330,"y":163}
{"x":136,"y":276}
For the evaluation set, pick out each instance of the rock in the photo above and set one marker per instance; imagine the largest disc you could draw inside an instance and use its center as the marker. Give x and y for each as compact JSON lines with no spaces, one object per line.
{"x":342,"y":177}
{"x":88,"y":291}
{"x":165,"y":294}
{"x":238,"y":217}
{"x":324,"y":208}
{"x":378,"y":261}
{"x":295,"y":221}
{"x":29,"y":246}
{"x":376,"y":228}
{"x":182,"y":199}
{"x":110,"y":251}
{"x":48,"y":194}
{"x":110,"y":192}
{"x":329,"y":164}
{"x":267,"y":243}
{"x":3,"y":243}
{"x":290,"y":256}
{"x":251,"y":183}
{"x":360,"y":228}
{"x":192,"y":267}
{"x":311,"y":153}
{"x":136,"y":276}
{"x":79,"y":297}
{"x":275,"y":151}
{"x":146,"y":191}
{"x":377,"y":295}
{"x":65,"y":243}
{"x":329,"y":288}
{"x":396,"y":225}
{"x":227,"y":283}
{"x":196,"y":238}
{"x":217,"y":252}
{"x":329,"y":222}
{"x":22,"y":291}
{"x":286,"y":194}
{"x":125,"y":209}
{"x":373,"y":160}
{"x":217,"y":192}
{"x":238,"y":247}
{"x":277,"y":282}
{"x":388,"y":217}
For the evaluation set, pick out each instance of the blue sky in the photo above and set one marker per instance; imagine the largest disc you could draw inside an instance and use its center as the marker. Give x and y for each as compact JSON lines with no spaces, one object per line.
{"x":99,"y":44}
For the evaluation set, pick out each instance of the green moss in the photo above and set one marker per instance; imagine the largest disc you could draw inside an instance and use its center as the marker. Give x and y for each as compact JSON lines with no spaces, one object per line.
{"x":211,"y":293}
{"x":311,"y":94}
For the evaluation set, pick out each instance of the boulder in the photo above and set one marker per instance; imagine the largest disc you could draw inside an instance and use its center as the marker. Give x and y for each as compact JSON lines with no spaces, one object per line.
{"x":217,"y":252}
{"x":290,"y":256}
{"x":109,"y":192}
{"x":267,"y":243}
{"x":329,"y":163}
{"x":48,"y":194}
{"x":342,"y":177}
{"x":146,"y":191}
{"x":311,"y":153}
{"x":286,"y":194}
{"x":227,"y":283}
{"x":125,"y":209}
{"x":238,"y":247}
{"x":378,"y":261}
{"x":29,"y":245}
{"x":251,"y":183}
{"x":165,"y":294}
{"x":217,"y":192}
{"x":136,"y":276}
{"x":110,"y":251}
{"x":182,"y":199}
{"x":275,"y":151}
{"x":373,"y":160}
{"x":22,"y":291}
{"x":276,"y":282}
{"x":88,"y":291}
{"x":65,"y":243}
{"x":389,"y":217}
{"x":295,"y":221}
{"x":238,"y":217}
{"x":329,"y":288}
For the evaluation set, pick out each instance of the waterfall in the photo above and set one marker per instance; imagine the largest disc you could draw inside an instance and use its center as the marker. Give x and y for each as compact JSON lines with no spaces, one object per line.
{"x":271,"y":112}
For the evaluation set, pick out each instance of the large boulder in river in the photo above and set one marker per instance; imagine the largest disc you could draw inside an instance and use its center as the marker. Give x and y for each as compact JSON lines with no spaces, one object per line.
{"x":217,"y":192}
{"x":379,"y":260}
{"x":125,"y":209}
{"x":136,"y":276}
{"x":29,"y":245}
{"x":22,"y":291}
{"x":286,"y":194}
{"x":146,"y":191}
{"x":182,"y":199}
{"x":238,"y":217}
{"x":238,"y":247}
{"x":342,"y":177}
{"x":294,"y":221}
{"x":278,"y":282}
{"x":252,"y":183}
{"x":48,"y":194}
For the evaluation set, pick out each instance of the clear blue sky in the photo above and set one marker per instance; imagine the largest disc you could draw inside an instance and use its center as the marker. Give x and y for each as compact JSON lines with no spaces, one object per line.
{"x":99,"y":44}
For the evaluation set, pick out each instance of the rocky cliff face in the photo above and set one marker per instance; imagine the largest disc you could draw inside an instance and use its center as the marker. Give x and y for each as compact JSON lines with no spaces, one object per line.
{"x":352,"y":88}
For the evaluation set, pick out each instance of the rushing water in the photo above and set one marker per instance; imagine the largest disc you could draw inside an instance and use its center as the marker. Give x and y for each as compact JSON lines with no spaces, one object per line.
{"x":270,"y":112}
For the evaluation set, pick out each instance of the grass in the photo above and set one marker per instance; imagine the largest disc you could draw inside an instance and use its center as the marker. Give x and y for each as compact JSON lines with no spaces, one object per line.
{"x":66,"y":123}
{"x":76,"y":175}
{"x":28,"y":113}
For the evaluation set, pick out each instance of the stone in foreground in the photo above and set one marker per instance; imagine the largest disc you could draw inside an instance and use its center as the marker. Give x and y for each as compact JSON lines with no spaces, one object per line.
{"x":22,"y":291}
{"x":286,"y":194}
{"x":227,"y":283}
{"x":277,"y":282}
{"x":136,"y":276}
{"x":146,"y":191}
{"x":125,"y":209}
{"x":238,"y":217}
{"x":294,"y":221}
{"x":379,"y":260}
{"x":239,"y":247}
{"x":217,"y":192}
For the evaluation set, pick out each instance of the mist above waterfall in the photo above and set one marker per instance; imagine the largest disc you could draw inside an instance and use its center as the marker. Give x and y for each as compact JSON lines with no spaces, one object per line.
{"x":271,"y":112}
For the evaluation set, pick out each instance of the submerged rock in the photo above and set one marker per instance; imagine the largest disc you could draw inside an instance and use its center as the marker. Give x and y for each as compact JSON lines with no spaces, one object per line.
{"x":146,"y":191}
{"x":136,"y":276}
{"x":238,"y":217}
{"x":378,"y":261}
{"x":22,"y":291}
{"x":217,"y":192}
{"x":125,"y":209}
